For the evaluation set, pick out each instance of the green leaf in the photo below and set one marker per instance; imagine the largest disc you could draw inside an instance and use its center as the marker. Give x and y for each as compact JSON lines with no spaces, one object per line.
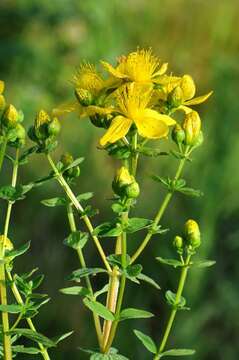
{"x":62,"y":337}
{"x":34,"y":336}
{"x":85,"y":196}
{"x":133,"y":270}
{"x":99,"y":309}
{"x":146,"y":341}
{"x":78,"y":274}
{"x":75,"y":163}
{"x":132,"y":313}
{"x":204,"y":263}
{"x":101,"y":291}
{"x":108,"y":229}
{"x":118,"y":208}
{"x":148,"y":151}
{"x":190,"y":192}
{"x":171,"y":262}
{"x":165,"y":181}
{"x":57,"y":201}
{"x":116,"y":259}
{"x":25,"y":350}
{"x":75,"y":290}
{"x":149,"y":280}
{"x":178,"y":352}
{"x":12,"y":308}
{"x":23,"y":158}
{"x":171,"y":299}
{"x":14,"y":253}
{"x":136,"y":224}
{"x":76,"y":240}
{"x":119,"y":152}
{"x":7,"y":193}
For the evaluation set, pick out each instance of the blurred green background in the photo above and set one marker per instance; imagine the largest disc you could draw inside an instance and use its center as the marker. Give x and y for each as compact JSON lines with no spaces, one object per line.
{"x":41,"y":43}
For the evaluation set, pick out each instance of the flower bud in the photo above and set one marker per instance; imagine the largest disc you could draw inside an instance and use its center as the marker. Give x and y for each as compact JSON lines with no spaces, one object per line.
{"x":7,"y":242}
{"x":188,"y":87}
{"x":83,"y":96}
{"x":54,"y":127}
{"x":20,"y":136}
{"x":178,"y":243}
{"x":10,"y":117}
{"x":67,"y":159}
{"x":122,"y":181}
{"x":192,"y":127}
{"x":178,"y":134}
{"x":200,"y":140}
{"x":192,"y":233}
{"x":175,"y":97}
{"x":41,"y":125}
{"x":132,"y":191}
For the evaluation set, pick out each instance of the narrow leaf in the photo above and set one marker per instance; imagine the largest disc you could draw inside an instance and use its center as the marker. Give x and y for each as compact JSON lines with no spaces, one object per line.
{"x":132,"y":313}
{"x":99,"y":309}
{"x":146,"y":341}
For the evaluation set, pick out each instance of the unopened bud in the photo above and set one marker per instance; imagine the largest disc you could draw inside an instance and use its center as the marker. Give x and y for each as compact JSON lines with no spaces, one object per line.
{"x":2,"y":102}
{"x":41,"y":125}
{"x":192,"y":233}
{"x":132,"y":191}
{"x":20,"y":135}
{"x":199,"y":140}
{"x":178,"y":134}
{"x":10,"y":117}
{"x":178,"y":242}
{"x":192,"y":127}
{"x":176,"y":97}
{"x":2,"y":86}
{"x":54,"y":127}
{"x":67,"y":159}
{"x":83,"y":96}
{"x":188,"y":87}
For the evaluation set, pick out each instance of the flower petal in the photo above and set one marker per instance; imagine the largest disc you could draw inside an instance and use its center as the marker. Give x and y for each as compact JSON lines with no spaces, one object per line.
{"x":199,"y":99}
{"x":185,"y":109}
{"x":66,"y":108}
{"x":162,"y":70}
{"x":155,"y":115}
{"x":113,"y":71}
{"x":93,"y":110}
{"x":119,"y":127}
{"x":151,"y":127}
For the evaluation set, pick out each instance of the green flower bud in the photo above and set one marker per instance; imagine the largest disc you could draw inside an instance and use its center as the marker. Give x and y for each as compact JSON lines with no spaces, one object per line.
{"x":178,"y":243}
{"x":67,"y":159}
{"x":192,"y":233}
{"x":132,"y":191}
{"x":175,"y":97}
{"x":42,"y":122}
{"x":84,"y":97}
{"x":178,"y":134}
{"x":10,"y":117}
{"x":54,"y":127}
{"x":199,"y":140}
{"x":192,"y":127}
{"x":2,"y":86}
{"x":20,"y":136}
{"x":100,"y":121}
{"x":122,"y":180}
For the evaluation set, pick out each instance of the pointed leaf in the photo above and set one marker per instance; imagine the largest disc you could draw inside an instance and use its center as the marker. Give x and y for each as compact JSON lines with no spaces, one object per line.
{"x":146,"y":341}
{"x":99,"y":309}
{"x":132,"y":313}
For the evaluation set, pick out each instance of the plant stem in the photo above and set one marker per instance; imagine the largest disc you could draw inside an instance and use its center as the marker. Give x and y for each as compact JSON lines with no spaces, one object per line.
{"x":3,"y":289}
{"x":79,"y":208}
{"x":12,"y":284}
{"x":121,"y":289}
{"x":135,"y":155}
{"x":87,"y":279}
{"x":169,"y":325}
{"x":2,"y":151}
{"x":159,"y":215}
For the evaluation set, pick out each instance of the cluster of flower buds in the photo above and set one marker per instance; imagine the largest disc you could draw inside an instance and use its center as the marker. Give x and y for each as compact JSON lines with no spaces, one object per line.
{"x":191,"y":238}
{"x":11,"y":128}
{"x":70,"y":173}
{"x":44,"y":131}
{"x":125,"y":185}
{"x":189,"y":133}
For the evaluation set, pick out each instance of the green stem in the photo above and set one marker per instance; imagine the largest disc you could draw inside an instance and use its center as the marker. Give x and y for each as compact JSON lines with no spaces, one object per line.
{"x":2,"y":151}
{"x":121,"y":289}
{"x":12,"y":284}
{"x":160,"y":213}
{"x":135,"y":155}
{"x":87,"y":279}
{"x":79,"y":208}
{"x":169,"y":325}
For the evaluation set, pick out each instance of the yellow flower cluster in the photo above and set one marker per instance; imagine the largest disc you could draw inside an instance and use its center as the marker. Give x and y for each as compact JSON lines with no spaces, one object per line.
{"x":137,"y":93}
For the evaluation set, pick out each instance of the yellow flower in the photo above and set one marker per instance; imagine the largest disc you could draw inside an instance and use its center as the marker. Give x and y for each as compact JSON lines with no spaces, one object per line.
{"x":87,"y":78}
{"x":192,"y":127}
{"x":132,"y":101}
{"x":138,"y":66}
{"x":2,"y":99}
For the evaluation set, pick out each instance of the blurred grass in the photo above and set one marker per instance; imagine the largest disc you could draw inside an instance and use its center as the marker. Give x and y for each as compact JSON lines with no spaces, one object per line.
{"x":41,"y":43}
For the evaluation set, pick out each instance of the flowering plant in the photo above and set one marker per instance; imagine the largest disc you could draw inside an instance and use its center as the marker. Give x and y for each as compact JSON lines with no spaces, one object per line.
{"x":135,"y":102}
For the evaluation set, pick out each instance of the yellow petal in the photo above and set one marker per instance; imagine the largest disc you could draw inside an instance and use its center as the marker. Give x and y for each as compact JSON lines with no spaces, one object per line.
{"x":66,"y":108}
{"x":199,"y":99}
{"x":113,"y":71}
{"x":155,"y":115}
{"x":185,"y":109}
{"x":2,"y":86}
{"x":162,"y":70}
{"x":118,"y":129}
{"x":151,"y":127}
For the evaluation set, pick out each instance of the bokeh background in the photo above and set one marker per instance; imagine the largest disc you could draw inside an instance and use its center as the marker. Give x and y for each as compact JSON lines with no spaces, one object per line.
{"x":41,"y":44}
